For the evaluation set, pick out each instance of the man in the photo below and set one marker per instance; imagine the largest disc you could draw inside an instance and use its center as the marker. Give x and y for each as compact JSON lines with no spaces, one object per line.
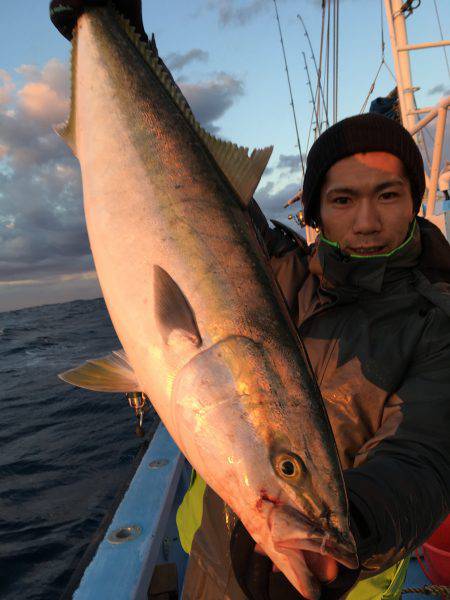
{"x":371,"y":301}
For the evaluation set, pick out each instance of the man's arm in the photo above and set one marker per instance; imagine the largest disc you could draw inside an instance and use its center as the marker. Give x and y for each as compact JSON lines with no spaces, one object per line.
{"x":277,"y":241}
{"x":401,"y":493}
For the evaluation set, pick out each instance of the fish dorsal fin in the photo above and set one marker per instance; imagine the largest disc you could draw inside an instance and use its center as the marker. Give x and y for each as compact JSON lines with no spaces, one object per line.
{"x":243,"y":172}
{"x":66,"y":130}
{"x":112,"y":373}
{"x":174,"y":316}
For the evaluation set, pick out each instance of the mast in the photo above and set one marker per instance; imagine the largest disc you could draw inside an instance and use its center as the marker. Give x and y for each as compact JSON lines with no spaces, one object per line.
{"x":395,"y":14}
{"x":399,"y":39}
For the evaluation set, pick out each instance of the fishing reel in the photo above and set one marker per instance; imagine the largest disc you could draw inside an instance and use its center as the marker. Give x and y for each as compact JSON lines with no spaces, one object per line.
{"x":298,"y":218}
{"x":140,"y":403}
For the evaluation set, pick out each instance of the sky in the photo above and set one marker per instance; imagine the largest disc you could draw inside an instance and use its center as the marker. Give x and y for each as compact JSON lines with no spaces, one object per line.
{"x":226,"y":56}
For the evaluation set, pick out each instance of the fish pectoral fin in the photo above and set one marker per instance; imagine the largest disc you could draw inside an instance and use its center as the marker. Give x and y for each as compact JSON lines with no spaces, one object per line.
{"x":64,"y":130}
{"x":174,"y":315}
{"x":112,"y":373}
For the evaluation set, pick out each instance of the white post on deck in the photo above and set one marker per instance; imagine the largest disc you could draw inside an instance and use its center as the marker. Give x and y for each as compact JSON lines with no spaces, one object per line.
{"x":399,"y":42}
{"x":437,"y":155}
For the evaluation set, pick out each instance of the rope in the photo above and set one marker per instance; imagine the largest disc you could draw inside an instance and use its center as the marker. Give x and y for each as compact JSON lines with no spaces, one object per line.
{"x":429,"y":590}
{"x":372,"y":87}
{"x":290,"y":88}
{"x":442,"y":36}
{"x":382,"y":46}
{"x":390,"y":71}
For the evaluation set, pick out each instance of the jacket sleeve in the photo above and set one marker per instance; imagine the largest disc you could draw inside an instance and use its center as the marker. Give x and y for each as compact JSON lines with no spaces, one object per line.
{"x":401,"y":493}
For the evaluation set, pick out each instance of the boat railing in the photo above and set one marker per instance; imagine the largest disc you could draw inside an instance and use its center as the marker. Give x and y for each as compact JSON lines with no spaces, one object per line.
{"x":140,"y":555}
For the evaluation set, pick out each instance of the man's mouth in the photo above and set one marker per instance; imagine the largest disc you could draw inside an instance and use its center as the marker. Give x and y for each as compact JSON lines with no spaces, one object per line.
{"x":367,"y":250}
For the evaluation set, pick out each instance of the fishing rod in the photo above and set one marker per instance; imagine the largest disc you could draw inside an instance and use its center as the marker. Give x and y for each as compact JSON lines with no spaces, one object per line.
{"x":290,"y":88}
{"x":312,"y":100}
{"x":318,"y":69}
{"x":319,"y":80}
{"x":335,"y":59}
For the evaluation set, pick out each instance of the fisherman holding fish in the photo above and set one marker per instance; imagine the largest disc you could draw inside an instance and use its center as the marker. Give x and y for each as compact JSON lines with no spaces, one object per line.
{"x":371,"y":300}
{"x":207,"y":340}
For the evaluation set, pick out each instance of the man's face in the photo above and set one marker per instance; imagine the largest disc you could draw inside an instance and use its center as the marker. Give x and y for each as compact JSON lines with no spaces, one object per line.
{"x":366,"y":204}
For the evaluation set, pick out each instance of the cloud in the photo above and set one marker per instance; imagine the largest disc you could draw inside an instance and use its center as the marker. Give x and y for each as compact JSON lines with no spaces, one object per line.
{"x":291,"y":162}
{"x":210,"y":99}
{"x":238,"y":13}
{"x":48,"y":290}
{"x":440,"y":89}
{"x":42,"y":229}
{"x":43,"y":234}
{"x":176,"y":61}
{"x":272,"y":203}
{"x":6,"y":87}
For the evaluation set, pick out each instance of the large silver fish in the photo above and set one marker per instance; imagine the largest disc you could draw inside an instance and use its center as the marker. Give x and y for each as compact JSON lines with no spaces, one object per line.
{"x":205,"y":331}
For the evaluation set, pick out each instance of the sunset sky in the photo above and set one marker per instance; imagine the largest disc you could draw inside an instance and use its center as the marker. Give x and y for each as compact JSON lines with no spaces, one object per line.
{"x":226,"y":55}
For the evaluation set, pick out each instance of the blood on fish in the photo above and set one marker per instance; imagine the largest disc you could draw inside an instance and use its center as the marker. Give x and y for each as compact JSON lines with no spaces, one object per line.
{"x":264,"y":497}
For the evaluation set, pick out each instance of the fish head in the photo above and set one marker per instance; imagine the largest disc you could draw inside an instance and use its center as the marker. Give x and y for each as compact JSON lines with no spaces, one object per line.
{"x":264,"y":452}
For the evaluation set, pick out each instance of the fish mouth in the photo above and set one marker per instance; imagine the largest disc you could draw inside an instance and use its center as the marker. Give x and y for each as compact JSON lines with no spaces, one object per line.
{"x":292,"y":530}
{"x":341,"y":552}
{"x":299,"y":571}
{"x":291,"y":555}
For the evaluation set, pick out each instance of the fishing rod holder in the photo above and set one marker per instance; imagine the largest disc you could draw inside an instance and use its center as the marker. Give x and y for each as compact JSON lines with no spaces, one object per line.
{"x":140,"y":403}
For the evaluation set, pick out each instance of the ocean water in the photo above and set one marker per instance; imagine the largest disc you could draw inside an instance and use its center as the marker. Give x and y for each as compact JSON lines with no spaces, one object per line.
{"x":64,"y":452}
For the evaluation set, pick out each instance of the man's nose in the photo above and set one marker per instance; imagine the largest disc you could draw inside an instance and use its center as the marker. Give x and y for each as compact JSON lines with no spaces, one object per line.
{"x":366,"y":218}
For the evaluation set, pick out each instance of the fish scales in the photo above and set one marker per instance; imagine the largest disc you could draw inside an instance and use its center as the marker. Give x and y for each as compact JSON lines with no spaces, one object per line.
{"x":196,"y":307}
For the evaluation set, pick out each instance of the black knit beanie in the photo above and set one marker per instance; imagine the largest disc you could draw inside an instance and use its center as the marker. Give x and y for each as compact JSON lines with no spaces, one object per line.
{"x":369,"y":132}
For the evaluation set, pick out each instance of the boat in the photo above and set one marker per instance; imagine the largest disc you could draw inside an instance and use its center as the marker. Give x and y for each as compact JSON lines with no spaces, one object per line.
{"x":137,"y":553}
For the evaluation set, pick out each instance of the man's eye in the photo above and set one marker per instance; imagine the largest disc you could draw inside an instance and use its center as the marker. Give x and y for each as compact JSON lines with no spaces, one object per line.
{"x":341,"y":200}
{"x":388,"y":195}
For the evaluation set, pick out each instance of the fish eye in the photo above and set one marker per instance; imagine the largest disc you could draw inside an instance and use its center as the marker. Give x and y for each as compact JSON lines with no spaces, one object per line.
{"x":288,"y":466}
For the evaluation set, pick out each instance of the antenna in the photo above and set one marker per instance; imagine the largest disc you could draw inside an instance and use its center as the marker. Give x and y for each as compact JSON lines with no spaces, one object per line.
{"x":290,"y":88}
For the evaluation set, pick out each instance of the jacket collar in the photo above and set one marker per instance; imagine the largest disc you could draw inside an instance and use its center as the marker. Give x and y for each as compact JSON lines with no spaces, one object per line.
{"x":349,"y":275}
